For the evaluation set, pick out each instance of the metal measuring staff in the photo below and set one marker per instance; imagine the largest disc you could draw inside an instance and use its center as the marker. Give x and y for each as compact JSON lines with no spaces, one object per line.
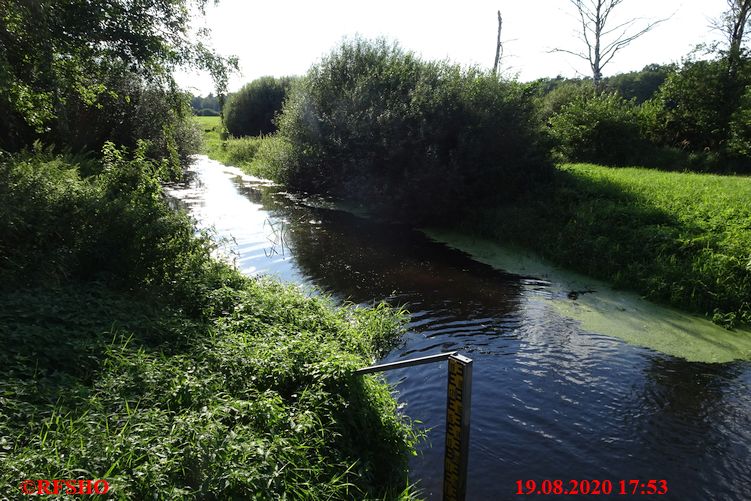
{"x":458,"y":406}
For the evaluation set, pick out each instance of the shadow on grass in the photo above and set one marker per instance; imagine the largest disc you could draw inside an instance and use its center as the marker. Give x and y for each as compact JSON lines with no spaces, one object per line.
{"x":602,"y":228}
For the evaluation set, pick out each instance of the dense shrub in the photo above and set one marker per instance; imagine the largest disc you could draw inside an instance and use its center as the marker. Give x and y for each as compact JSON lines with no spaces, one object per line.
{"x":239,"y":151}
{"x":112,"y":226}
{"x":563,"y":93}
{"x":375,"y":124}
{"x":639,"y":85}
{"x":272,"y":154}
{"x":739,"y":142}
{"x":132,"y":110}
{"x":601,"y":129}
{"x":128,"y":353}
{"x":693,"y":114}
{"x":704,"y":107}
{"x":251,"y":110}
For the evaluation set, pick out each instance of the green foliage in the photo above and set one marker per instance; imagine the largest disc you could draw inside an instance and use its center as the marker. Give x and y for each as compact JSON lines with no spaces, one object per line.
{"x":677,"y":238}
{"x":59,"y":59}
{"x":251,"y":110}
{"x":239,"y":151}
{"x":703,"y":108}
{"x":739,"y":143}
{"x":272,"y":155}
{"x":601,"y":128}
{"x":262,"y":156}
{"x":638,"y":85}
{"x":113,"y":227}
{"x":131,"y":111}
{"x":206,"y":112}
{"x":413,"y":139}
{"x":128,"y":353}
{"x":259,"y":402}
{"x":206,"y":104}
{"x":552,"y":101}
{"x":693,"y":108}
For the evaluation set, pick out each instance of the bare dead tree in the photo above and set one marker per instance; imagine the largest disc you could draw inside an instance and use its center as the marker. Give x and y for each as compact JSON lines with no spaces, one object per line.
{"x":601,"y":39}
{"x":498,"y":46}
{"x":734,"y":23}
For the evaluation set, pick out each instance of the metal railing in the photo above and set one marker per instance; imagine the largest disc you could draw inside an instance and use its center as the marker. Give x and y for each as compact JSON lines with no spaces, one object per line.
{"x":458,"y":406}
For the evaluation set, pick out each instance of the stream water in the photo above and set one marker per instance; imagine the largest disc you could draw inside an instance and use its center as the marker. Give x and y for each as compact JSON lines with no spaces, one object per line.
{"x":550,"y":399}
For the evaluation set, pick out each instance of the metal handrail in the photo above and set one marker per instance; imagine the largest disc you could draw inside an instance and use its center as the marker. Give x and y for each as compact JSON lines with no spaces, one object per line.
{"x":458,"y":405}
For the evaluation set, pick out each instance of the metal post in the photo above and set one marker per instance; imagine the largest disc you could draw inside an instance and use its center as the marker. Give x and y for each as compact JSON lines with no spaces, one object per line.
{"x":458,"y":406}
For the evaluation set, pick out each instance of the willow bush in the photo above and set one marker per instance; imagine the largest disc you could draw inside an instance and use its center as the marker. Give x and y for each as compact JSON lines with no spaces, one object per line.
{"x":251,"y":110}
{"x":603,"y":128}
{"x":376,"y":125}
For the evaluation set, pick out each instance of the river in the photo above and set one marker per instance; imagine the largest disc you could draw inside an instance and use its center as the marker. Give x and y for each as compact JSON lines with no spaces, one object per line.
{"x":551,"y":399}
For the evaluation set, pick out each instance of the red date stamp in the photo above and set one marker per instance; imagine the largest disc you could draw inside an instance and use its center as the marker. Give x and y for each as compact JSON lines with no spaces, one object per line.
{"x":593,"y":487}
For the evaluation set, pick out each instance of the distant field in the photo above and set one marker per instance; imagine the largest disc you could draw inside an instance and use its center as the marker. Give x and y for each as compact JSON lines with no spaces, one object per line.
{"x":211,"y":127}
{"x":256,"y":155}
{"x":208,"y":122}
{"x":677,"y":238}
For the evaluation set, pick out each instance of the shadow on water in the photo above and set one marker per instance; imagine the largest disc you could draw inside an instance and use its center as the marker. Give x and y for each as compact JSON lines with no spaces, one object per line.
{"x":550,"y":400}
{"x":697,"y":419}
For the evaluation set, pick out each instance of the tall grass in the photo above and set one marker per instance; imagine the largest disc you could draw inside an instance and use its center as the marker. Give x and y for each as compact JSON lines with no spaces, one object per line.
{"x":130,"y":354}
{"x":262,"y":156}
{"x":677,"y":238}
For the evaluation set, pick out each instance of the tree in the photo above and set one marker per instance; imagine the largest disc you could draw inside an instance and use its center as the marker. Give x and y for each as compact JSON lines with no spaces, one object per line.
{"x":251,"y":110}
{"x":498,"y":46}
{"x":733,"y":24}
{"x":602,"y":41}
{"x":640,"y":85}
{"x":54,"y":52}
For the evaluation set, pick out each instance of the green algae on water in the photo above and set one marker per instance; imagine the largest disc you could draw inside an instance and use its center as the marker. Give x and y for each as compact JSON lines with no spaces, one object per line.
{"x":611,"y":312}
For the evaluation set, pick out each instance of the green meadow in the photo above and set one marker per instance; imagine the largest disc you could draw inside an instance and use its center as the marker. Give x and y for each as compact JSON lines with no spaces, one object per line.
{"x":678,"y":238}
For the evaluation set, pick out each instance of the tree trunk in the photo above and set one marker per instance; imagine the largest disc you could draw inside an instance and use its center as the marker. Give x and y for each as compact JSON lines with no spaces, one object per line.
{"x":498,"y":46}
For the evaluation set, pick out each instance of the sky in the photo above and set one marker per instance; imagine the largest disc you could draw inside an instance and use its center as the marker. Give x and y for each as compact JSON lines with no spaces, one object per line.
{"x":286,"y":37}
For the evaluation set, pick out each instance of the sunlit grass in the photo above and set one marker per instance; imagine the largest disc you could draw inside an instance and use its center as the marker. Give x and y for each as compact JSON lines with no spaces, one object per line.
{"x":260,"y":156}
{"x":211,"y":128}
{"x":678,"y":238}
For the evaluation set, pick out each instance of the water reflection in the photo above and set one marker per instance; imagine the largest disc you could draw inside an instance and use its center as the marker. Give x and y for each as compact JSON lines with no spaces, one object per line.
{"x":549,"y":400}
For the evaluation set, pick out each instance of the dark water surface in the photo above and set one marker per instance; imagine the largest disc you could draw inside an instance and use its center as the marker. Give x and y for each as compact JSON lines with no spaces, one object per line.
{"x":550,"y":401}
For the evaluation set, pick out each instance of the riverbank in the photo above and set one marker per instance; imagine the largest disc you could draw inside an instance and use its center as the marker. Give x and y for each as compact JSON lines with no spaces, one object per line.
{"x":128,"y":353}
{"x":244,"y":152}
{"x":680,"y":239}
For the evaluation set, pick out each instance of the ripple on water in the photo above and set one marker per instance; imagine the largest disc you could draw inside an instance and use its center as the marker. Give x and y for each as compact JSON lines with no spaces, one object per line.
{"x":552,"y":398}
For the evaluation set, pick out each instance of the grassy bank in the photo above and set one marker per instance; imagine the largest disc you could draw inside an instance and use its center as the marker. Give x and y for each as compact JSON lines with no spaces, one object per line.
{"x":677,"y":238}
{"x":256,"y":155}
{"x":681,"y":239}
{"x":128,"y":353}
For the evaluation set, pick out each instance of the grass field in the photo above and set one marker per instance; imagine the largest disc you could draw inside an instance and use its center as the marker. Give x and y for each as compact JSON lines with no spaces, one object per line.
{"x":679,"y":238}
{"x":211,"y":127}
